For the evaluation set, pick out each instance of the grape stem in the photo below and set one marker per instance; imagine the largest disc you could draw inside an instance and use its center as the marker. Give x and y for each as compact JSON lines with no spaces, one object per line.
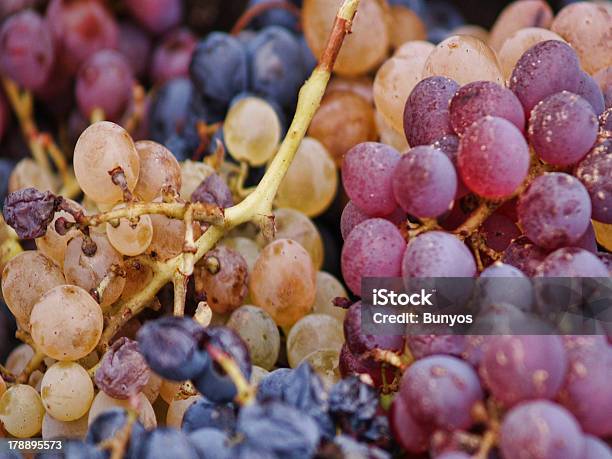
{"x":33,"y":364}
{"x":6,"y":374}
{"x":97,"y":115}
{"x":117,"y":444}
{"x":137,"y":115}
{"x":257,"y":206}
{"x":251,"y":13}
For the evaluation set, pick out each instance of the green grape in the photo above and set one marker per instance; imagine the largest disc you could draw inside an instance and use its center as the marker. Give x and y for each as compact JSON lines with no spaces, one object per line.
{"x":326,"y":363}
{"x":311,"y":333}
{"x":67,"y":391}
{"x":328,"y":288}
{"x":21,"y":411}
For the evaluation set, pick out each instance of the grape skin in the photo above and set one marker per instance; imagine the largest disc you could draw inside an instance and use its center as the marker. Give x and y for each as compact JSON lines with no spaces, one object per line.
{"x":67,"y":391}
{"x":516,"y":16}
{"x":595,"y":173}
{"x":158,"y":168}
{"x":524,"y":255}
{"x":311,"y":333}
{"x":596,"y":448}
{"x":328,"y":288}
{"x":352,"y":216}
{"x":103,"y":403}
{"x":130,"y":240}
{"x":413,"y":436}
{"x":21,"y":411}
{"x":172,"y":57}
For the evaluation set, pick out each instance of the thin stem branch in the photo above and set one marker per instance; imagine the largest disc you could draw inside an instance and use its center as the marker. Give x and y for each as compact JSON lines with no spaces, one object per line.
{"x":32,"y":365}
{"x":246,"y":392}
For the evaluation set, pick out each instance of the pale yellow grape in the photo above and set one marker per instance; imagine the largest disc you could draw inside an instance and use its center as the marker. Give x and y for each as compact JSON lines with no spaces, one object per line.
{"x":158,"y":168}
{"x":66,"y":323}
{"x":168,"y":390}
{"x":473,"y":30}
{"x":21,"y":411}
{"x":18,"y":359}
{"x":128,"y":239}
{"x":311,"y":333}
{"x":516,"y":45}
{"x":405,"y":25}
{"x":53,"y":429}
{"x":588,"y":28}
{"x":396,"y":79}
{"x":364,"y":48}
{"x":151,"y":390}
{"x":136,"y":275}
{"x":168,"y":237}
{"x":192,"y":174}
{"x":464,"y":59}
{"x":177,"y":409}
{"x":360,"y":86}
{"x":518,"y":15}
{"x":326,"y":363}
{"x":101,"y":148}
{"x":390,"y":136}
{"x":27,"y":173}
{"x":67,"y":391}
{"x":328,"y":288}
{"x":103,"y":403}
{"x":25,"y":279}
{"x":259,"y":332}
{"x":252,"y":131}
{"x":311,"y":182}
{"x":257,"y":374}
{"x":53,"y":244}
{"x":245,"y":247}
{"x":283,"y":281}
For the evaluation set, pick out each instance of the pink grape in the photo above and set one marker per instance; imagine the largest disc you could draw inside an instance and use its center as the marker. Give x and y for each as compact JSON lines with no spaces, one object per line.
{"x":157,"y":16}
{"x":493,"y":158}
{"x":352,"y":216}
{"x":449,"y":145}
{"x":373,"y":249}
{"x":172,"y":57}
{"x":367,"y":176}
{"x":572,"y":262}
{"x":413,"y":436}
{"x":425,"y":345}
{"x":555,"y":211}
{"x":595,"y":173}
{"x":589,"y":89}
{"x":524,"y":255}
{"x":588,"y":240}
{"x":596,"y":448}
{"x":135,"y":45}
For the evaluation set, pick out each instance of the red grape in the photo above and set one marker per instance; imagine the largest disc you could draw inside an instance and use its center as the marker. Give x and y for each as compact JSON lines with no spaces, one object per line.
{"x":172,"y":57}
{"x":135,"y":45}
{"x":352,"y":216}
{"x":589,"y":89}
{"x":595,"y":173}
{"x":449,"y":145}
{"x":524,"y":255}
{"x":157,"y":16}
{"x":413,"y":436}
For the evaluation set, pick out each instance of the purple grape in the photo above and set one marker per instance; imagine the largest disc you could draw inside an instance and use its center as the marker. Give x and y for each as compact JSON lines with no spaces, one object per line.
{"x":104,"y":81}
{"x":449,"y":145}
{"x":475,"y":346}
{"x":562,"y":128}
{"x":425,"y":345}
{"x":157,"y":16}
{"x":499,"y":231}
{"x":454,"y":455}
{"x":135,"y":45}
{"x":437,"y":254}
{"x":595,"y":448}
{"x":4,"y":116}
{"x":413,"y":436}
{"x":482,"y":98}
{"x":555,"y":211}
{"x":441,"y":391}
{"x":426,"y":114}
{"x":425,"y":182}
{"x":524,"y":255}
{"x":503,"y":283}
{"x":572,"y":262}
{"x":493,"y":157}
{"x":546,"y":68}
{"x":367,"y":176}
{"x":352,"y":216}
{"x":542,"y":430}
{"x":587,"y":241}
{"x":595,"y":173}
{"x":26,"y":49}
{"x":213,"y":190}
{"x":591,"y":92}
{"x":172,"y":57}
{"x":523,"y":367}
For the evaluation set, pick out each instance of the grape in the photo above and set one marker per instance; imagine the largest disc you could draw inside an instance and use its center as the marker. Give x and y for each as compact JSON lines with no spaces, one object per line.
{"x":177,"y":409}
{"x":311,"y":333}
{"x":546,"y":68}
{"x":157,"y":16}
{"x":26,"y":49}
{"x":152,"y":389}
{"x":359,"y":52}
{"x":169,"y":109}
{"x":396,"y":79}
{"x":52,"y":244}
{"x":259,"y":332}
{"x":425,"y":182}
{"x":345,"y":118}
{"x":67,"y":391}
{"x":516,"y":16}
{"x":515,"y":46}
{"x":245,"y":247}
{"x":405,"y":26}
{"x":102,"y":403}
{"x":437,"y":254}
{"x":292,"y":224}
{"x":257,"y":375}
{"x":596,"y":448}
{"x":425,"y":345}
{"x":221,"y":276}
{"x":595,"y":173}
{"x":88,"y":271}
{"x":502,"y":283}
{"x":70,"y":332}
{"x":482,"y":98}
{"x":586,"y":27}
{"x":135,"y":45}
{"x":572,"y":262}
{"x":388,"y":135}
{"x":283,"y":281}
{"x":255,"y":143}
{"x":413,"y":436}
{"x":101,"y":148}
{"x":213,"y":190}
{"x":351,"y":364}
{"x":172,"y":56}
{"x":543,"y":429}
{"x":441,"y":391}
{"x":360,"y":344}
{"x":21,"y":411}
{"x":273,"y":16}
{"x":80,"y":29}
{"x":589,"y":89}
{"x":130,"y":240}
{"x":168,"y":237}
{"x":604,"y":79}
{"x":311,"y":181}
{"x":52,"y":429}
{"x":493,"y":158}
{"x":25,"y":279}
{"x":464,"y":59}
{"x":373,"y":249}
{"x":499,"y":231}
{"x":352,"y":216}
{"x":158,"y":168}
{"x":328,"y":288}
{"x":367,"y":176}
{"x":192,"y":175}
{"x":18,"y":358}
{"x":524,"y":255}
{"x":555,"y":210}
{"x":28,"y":173}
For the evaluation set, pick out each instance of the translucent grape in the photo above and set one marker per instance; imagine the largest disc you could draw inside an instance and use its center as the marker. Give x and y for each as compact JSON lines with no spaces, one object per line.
{"x":367,"y":176}
{"x":168,"y":237}
{"x":562,"y":128}
{"x":352,"y":216}
{"x":177,"y":409}
{"x":245,"y":247}
{"x":572,"y":262}
{"x":88,"y":271}
{"x":158,"y":168}
{"x":52,"y":429}
{"x":168,"y":390}
{"x":426,"y":114}
{"x":359,"y":52}
{"x":101,"y":148}
{"x":425,"y":182}
{"x":555,"y":210}
{"x":193,"y":173}
{"x":464,"y":59}
{"x":27,"y":173}
{"x":405,"y":26}
{"x":311,"y":333}
{"x":361,"y":86}
{"x":595,"y":173}
{"x":130,"y":240}
{"x":151,"y":390}
{"x":25,"y":279}
{"x":21,"y":411}
{"x":67,"y":391}
{"x":543,"y":427}
{"x":255,"y":143}
{"x":471,"y":29}
{"x":328,"y":288}
{"x":257,"y":375}
{"x":52,"y":244}
{"x":103,"y":403}
{"x":516,"y":16}
{"x":283,"y":281}
{"x":311,"y":181}
{"x":259,"y":332}
{"x":373,"y":249}
{"x":482,"y":98}
{"x":493,"y":158}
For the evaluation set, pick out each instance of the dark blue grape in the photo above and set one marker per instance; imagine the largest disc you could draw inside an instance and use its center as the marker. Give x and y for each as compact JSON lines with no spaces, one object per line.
{"x":169,"y":108}
{"x":206,"y":414}
{"x":165,"y":442}
{"x":350,"y":448}
{"x":309,"y":61}
{"x":211,"y":444}
{"x":274,"y":16}
{"x":418,"y":6}
{"x":273,"y":385}
{"x":72,"y":449}
{"x":107,"y":424}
